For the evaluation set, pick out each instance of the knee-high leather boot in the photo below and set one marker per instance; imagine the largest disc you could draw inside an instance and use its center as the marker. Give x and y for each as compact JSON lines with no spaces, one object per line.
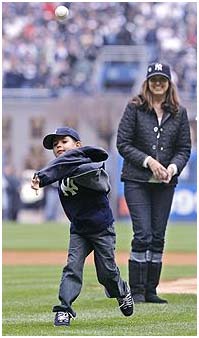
{"x":137,"y":280}
{"x":153,"y":278}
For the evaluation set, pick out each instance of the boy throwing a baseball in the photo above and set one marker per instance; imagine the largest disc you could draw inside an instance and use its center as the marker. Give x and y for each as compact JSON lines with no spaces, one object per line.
{"x":83,"y":190}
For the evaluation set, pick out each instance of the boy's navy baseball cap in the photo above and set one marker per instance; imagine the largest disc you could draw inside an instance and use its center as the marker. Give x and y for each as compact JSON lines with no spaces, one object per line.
{"x":158,"y":69}
{"x":64,"y":131}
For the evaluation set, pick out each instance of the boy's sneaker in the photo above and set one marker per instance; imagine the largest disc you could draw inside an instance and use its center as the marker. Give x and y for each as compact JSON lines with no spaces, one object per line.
{"x":62,"y":318}
{"x":126,"y":304}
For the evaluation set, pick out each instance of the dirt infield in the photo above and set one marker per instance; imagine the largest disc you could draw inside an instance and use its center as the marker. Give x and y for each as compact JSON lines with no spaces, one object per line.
{"x":59,"y":257}
{"x":182,"y":285}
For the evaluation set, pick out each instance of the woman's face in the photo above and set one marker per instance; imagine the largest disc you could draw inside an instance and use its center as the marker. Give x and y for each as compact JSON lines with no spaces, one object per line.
{"x":158,"y":85}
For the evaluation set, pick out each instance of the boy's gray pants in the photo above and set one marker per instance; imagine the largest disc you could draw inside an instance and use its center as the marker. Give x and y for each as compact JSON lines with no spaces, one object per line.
{"x":108,"y":274}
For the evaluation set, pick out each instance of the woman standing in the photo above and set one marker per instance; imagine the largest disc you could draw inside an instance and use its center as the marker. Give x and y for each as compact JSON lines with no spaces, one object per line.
{"x":154,"y":140}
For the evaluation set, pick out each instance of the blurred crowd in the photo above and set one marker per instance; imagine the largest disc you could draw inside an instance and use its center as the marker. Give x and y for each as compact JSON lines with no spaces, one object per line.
{"x":11,"y":202}
{"x":18,"y":196}
{"x":40,"y":52}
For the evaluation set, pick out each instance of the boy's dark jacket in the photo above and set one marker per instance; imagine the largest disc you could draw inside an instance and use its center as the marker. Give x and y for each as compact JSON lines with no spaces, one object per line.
{"x":85,"y":165}
{"x":83,"y":188}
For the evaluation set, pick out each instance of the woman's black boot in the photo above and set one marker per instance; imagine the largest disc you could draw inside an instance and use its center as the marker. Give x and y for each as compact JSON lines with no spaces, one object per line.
{"x":137,"y":280}
{"x":153,"y":278}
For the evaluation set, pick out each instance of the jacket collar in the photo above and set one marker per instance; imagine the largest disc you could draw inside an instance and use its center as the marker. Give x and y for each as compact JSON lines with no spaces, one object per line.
{"x":165,"y":117}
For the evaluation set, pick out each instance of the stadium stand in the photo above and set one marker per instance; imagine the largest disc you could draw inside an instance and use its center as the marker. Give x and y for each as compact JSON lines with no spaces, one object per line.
{"x":39,"y":52}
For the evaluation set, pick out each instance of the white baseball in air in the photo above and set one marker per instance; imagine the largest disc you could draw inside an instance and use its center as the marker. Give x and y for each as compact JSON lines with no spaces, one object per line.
{"x":61,"y":12}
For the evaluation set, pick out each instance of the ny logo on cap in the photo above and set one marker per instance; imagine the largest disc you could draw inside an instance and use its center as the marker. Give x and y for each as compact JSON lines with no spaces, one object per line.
{"x":158,"y":66}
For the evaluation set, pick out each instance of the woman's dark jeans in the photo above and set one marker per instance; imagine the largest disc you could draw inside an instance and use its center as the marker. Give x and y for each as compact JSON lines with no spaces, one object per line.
{"x":149,"y":205}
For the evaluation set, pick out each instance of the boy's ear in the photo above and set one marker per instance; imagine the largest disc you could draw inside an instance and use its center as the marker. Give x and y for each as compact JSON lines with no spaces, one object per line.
{"x":78,"y":144}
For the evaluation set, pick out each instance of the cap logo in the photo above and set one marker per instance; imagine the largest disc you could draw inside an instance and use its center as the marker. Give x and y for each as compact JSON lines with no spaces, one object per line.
{"x":158,"y":66}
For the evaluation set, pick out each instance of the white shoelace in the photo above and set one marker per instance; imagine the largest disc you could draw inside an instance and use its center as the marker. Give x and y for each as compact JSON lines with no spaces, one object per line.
{"x":127,"y":301}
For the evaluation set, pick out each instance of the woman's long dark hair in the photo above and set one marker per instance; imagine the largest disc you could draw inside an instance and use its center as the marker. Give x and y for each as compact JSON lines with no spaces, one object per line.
{"x":145,"y":98}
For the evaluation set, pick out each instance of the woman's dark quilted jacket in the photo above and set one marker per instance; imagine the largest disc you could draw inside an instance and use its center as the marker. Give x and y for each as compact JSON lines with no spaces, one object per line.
{"x":139,"y":136}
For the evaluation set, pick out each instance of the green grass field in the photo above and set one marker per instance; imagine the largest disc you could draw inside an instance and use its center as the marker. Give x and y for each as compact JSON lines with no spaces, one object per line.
{"x":54,"y":236}
{"x":29,"y":292}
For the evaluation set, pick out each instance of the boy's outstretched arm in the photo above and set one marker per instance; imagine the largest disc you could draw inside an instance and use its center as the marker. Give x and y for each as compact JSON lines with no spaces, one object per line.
{"x":66,"y":165}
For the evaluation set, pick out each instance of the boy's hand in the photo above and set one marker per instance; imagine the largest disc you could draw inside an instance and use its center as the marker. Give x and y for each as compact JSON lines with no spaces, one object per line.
{"x":35,"y":183}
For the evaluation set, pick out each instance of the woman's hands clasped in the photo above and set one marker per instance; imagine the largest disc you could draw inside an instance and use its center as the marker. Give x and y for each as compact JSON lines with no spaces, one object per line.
{"x":160,"y":173}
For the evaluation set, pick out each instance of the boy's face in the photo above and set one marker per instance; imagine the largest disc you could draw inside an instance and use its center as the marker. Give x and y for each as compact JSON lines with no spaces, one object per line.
{"x":64,"y":143}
